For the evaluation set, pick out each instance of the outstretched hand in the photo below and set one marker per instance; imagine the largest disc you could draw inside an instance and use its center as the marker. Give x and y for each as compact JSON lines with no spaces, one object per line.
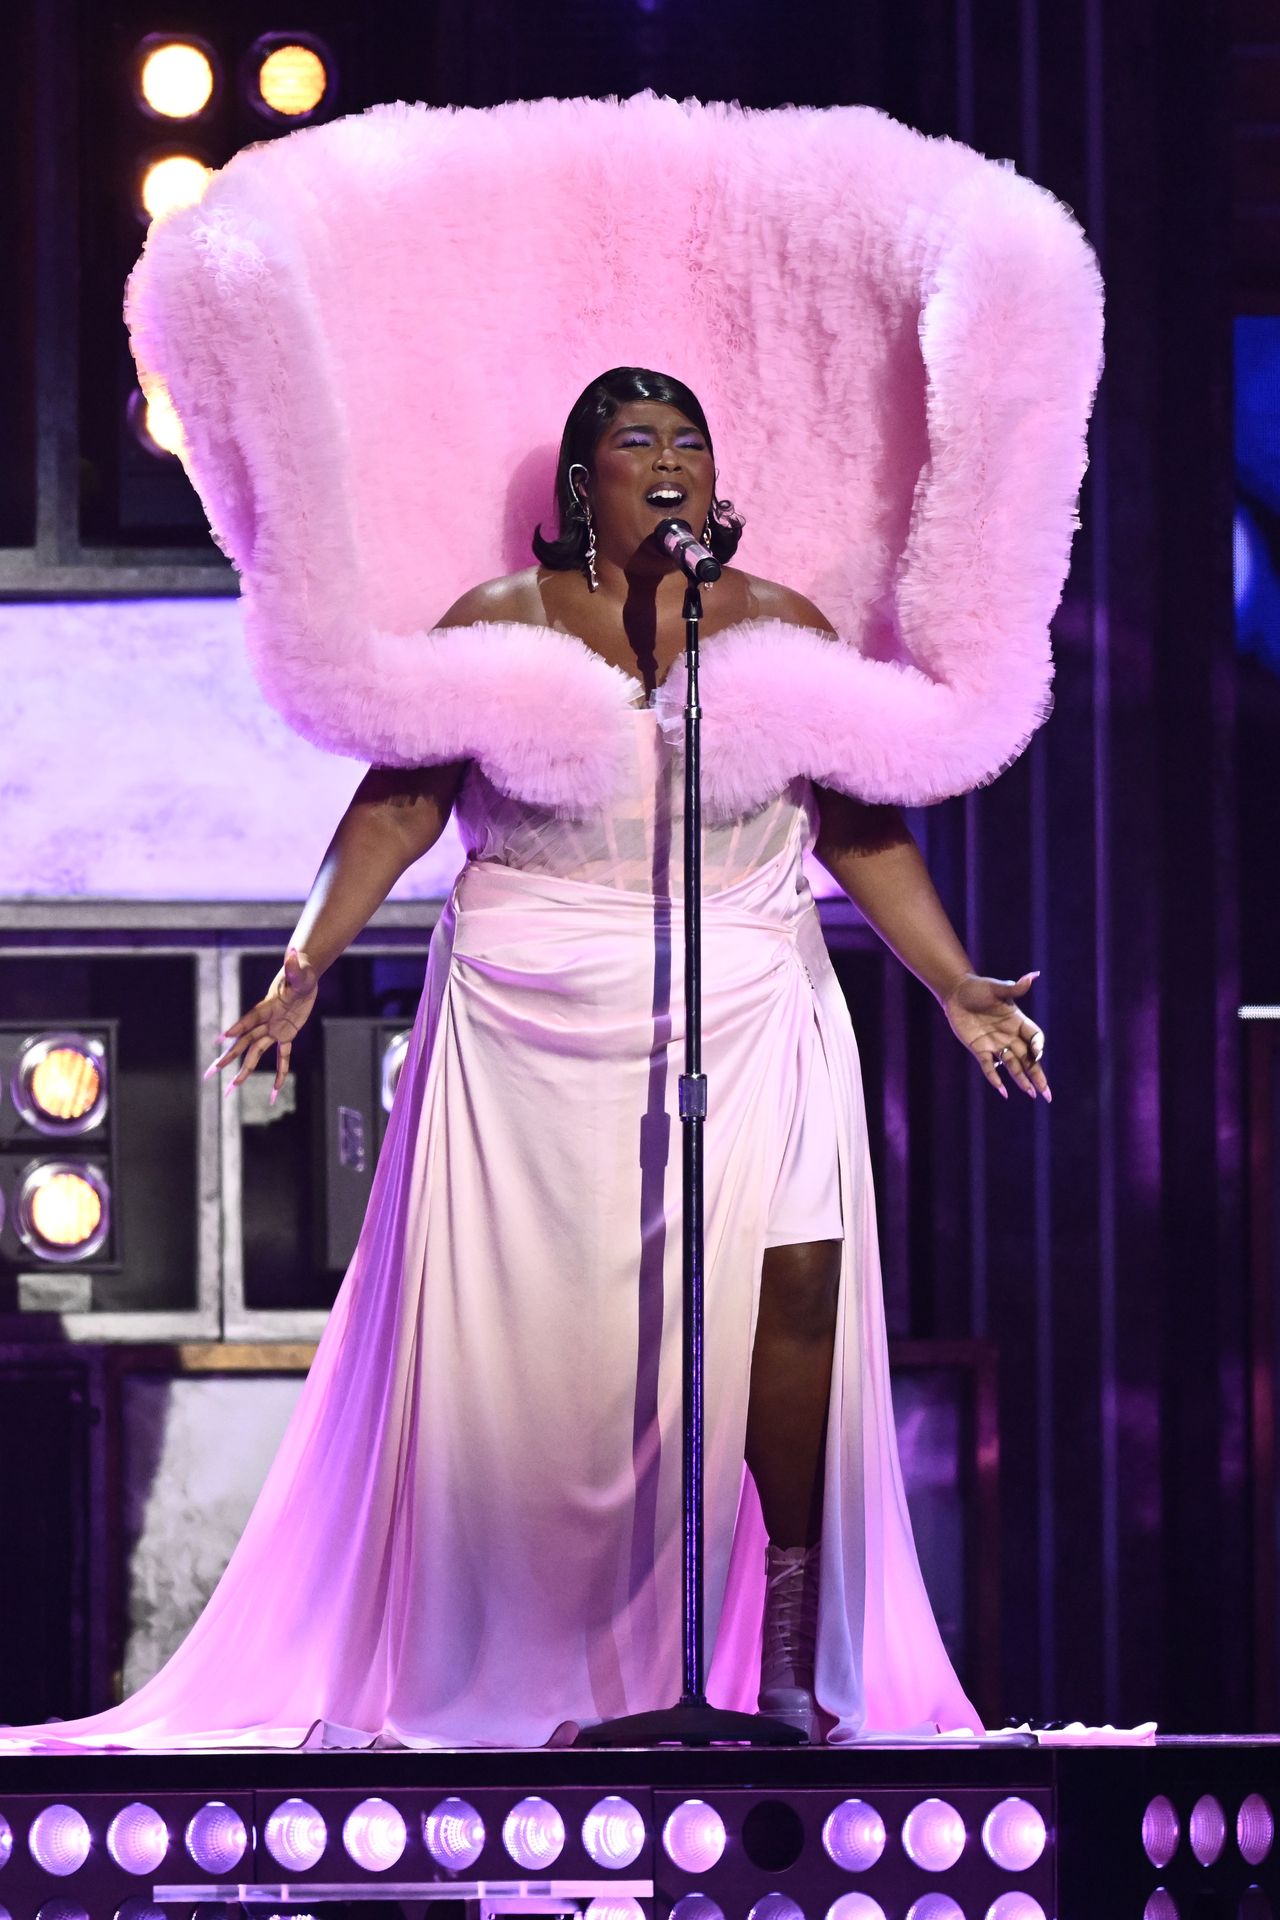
{"x":985,"y":1017}
{"x":275,"y":1022}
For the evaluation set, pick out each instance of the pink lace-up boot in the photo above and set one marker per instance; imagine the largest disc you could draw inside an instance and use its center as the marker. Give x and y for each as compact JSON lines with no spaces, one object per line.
{"x":790,"y":1634}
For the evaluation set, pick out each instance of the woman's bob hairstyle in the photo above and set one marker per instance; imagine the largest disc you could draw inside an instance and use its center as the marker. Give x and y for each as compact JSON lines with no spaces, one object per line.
{"x":590,"y":414}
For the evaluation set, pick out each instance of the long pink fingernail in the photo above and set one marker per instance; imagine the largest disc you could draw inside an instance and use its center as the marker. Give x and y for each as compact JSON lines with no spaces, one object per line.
{"x":1048,"y":1096}
{"x":274,"y":1091}
{"x":210,"y":1071}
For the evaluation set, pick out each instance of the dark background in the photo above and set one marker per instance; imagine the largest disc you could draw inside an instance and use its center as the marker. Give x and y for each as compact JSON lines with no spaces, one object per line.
{"x":1130,"y":854}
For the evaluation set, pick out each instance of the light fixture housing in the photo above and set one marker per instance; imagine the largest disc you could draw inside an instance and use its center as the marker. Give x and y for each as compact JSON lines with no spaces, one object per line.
{"x":289,"y":67}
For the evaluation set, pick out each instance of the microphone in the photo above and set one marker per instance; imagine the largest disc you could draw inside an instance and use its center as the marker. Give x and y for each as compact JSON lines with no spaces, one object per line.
{"x":676,"y":538}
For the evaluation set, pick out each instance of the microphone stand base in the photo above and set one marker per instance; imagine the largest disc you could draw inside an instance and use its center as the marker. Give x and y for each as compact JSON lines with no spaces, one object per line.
{"x":691,"y":1723}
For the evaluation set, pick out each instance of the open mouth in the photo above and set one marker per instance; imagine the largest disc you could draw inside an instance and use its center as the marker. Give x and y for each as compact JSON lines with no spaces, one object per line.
{"x":666,"y":499}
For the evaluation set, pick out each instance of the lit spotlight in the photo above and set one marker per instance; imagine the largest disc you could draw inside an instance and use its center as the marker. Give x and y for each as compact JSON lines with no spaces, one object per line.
{"x":1013,"y":1834}
{"x":614,"y":1907}
{"x":170,"y":182}
{"x":776,"y":1906}
{"x":454,"y":1834}
{"x":296,"y":1835}
{"x":853,"y":1835}
{"x":139,"y":1909}
{"x":1207,"y":1829}
{"x":1015,"y":1905}
{"x":153,"y":421}
{"x":59,"y":1839}
{"x":63,"y":1210}
{"x":374,"y":1835}
{"x":1255,"y":1829}
{"x":176,"y":78}
{"x":933,"y":1835}
{"x":60,"y":1083}
{"x":138,"y":1838}
{"x":6,"y":1841}
{"x":289,"y":76}
{"x":1160,"y":1831}
{"x":694,"y":1836}
{"x":699,"y":1906}
{"x":935,"y":1906}
{"x":855,"y":1906}
{"x":61,"y":1910}
{"x":533,"y":1833}
{"x":393,"y":1060}
{"x":1161,"y":1906}
{"x":613,"y":1832}
{"x":216,"y":1838}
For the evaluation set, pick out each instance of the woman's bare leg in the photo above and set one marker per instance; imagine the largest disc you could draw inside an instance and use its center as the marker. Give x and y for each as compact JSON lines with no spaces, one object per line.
{"x":790,"y":1385}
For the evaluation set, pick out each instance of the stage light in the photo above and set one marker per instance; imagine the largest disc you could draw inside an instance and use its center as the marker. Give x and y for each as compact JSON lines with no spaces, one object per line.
{"x":176,"y":78}
{"x":1207,"y":1829}
{"x":296,"y":1835}
{"x":170,"y":182}
{"x":153,"y":421}
{"x":63,"y":1210}
{"x":1255,"y":1829}
{"x":533,"y":1833}
{"x":140,"y":1909}
{"x":374,"y":1835}
{"x":1015,"y":1905}
{"x":6,"y":1840}
{"x":59,"y":1839}
{"x":289,"y":76}
{"x":699,"y":1906}
{"x":613,"y":1832}
{"x":853,"y":1835}
{"x":392,"y":1066}
{"x":614,"y":1907}
{"x":138,"y":1838}
{"x":216,"y":1838}
{"x":1160,"y":1831}
{"x":935,"y":1906}
{"x":60,"y":1083}
{"x":1161,"y":1906}
{"x":454,"y":1834}
{"x":1254,"y":1905}
{"x":61,"y":1910}
{"x":776,"y":1906}
{"x":1013,"y":1834}
{"x":694,"y":1836}
{"x":855,"y":1906}
{"x":933,"y":1835}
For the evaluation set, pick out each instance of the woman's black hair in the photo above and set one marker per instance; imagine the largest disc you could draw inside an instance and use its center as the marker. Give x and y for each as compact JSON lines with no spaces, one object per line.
{"x":590,"y":414}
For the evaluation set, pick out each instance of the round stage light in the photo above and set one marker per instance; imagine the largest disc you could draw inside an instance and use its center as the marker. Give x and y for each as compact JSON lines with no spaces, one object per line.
{"x":374,"y":1835}
{"x":63,"y":1210}
{"x":59,"y":1839}
{"x":935,"y":1906}
{"x":1013,"y":1834}
{"x":614,"y":1907}
{"x":933,"y":1835}
{"x":140,"y":1909}
{"x":138,"y":1838}
{"x":60,"y":1083}
{"x":533,"y":1833}
{"x":176,"y":78}
{"x":296,"y":1835}
{"x":697,"y":1906}
{"x":1161,"y":1906}
{"x":1015,"y":1905}
{"x":6,"y":1831}
{"x":694,"y":1836}
{"x":171,"y":181}
{"x":1255,"y":1829}
{"x":855,"y":1906}
{"x":216,"y":1837}
{"x":1160,"y":1831}
{"x":289,"y":76}
{"x":613,"y":1832}
{"x":61,"y":1910}
{"x":153,"y":421}
{"x":776,"y":1906}
{"x":853,"y":1835}
{"x":393,"y":1058}
{"x":453,"y":1834}
{"x":1207,"y":1829}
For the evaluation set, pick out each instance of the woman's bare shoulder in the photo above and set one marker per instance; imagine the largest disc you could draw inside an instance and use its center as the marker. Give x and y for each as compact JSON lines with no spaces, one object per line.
{"x":767,"y":600}
{"x":513,"y":598}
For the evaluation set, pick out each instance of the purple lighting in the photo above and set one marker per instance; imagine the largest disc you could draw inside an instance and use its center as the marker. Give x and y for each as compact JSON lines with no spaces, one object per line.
{"x":533,"y":1833}
{"x":138,"y":1838}
{"x":59,"y":1839}
{"x":1160,"y":1832}
{"x":1207,"y":1829}
{"x":855,"y":1906}
{"x":694,"y":1836}
{"x":697,"y":1906}
{"x":615,"y":1907}
{"x":454,"y":1834}
{"x":216,"y":1838}
{"x":6,"y":1838}
{"x":61,"y":1910}
{"x":935,"y":1906}
{"x":776,"y":1906}
{"x":933,"y":1835}
{"x":1255,"y":1829}
{"x":613,"y":1832}
{"x":1161,"y":1906}
{"x":1015,"y":1906}
{"x":295,"y":1835}
{"x":374,"y":1835}
{"x":1013,"y":1834}
{"x":853,"y":1835}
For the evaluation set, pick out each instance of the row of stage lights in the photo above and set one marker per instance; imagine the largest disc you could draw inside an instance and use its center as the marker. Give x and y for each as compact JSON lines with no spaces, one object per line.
{"x":57,"y":1203}
{"x":286,"y":79}
{"x":1255,"y":1830}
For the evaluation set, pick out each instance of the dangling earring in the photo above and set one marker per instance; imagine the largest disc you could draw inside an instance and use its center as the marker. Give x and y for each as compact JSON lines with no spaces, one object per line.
{"x":584,"y":508}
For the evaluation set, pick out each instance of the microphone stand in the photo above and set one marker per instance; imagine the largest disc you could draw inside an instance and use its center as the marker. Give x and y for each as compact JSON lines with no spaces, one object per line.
{"x":692,"y":1721}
